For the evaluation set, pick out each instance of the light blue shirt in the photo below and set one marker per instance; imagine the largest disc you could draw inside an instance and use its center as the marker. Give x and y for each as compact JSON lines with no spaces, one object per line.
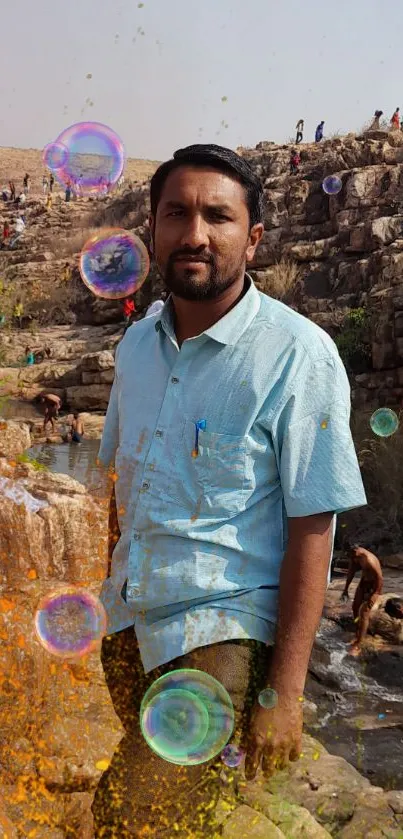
{"x":203,"y":538}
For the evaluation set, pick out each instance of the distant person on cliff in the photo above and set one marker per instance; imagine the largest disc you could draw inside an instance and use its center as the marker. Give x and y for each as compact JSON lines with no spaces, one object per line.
{"x":49,"y":201}
{"x":27,"y":183}
{"x":52,"y":406}
{"x":300,"y":131}
{"x":18,"y":312}
{"x":129,"y":310}
{"x":375,"y":126}
{"x":158,"y":305}
{"x":29,"y":356}
{"x":19,"y":227}
{"x":367,"y":592}
{"x":45,"y":184}
{"x":12,"y":190}
{"x":319,"y":132}
{"x":225,"y":503}
{"x":67,"y":273}
{"x":51,"y":181}
{"x":295,"y":161}
{"x":6,"y":232}
{"x":395,"y":121}
{"x":21,"y":200}
{"x":67,"y":193}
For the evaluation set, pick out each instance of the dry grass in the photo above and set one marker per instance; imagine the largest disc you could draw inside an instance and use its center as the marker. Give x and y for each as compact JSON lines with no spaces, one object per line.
{"x":71,"y":246}
{"x":279,"y":280}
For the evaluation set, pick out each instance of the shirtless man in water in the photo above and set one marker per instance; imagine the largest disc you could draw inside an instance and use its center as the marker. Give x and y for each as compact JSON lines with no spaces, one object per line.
{"x":368,"y":590}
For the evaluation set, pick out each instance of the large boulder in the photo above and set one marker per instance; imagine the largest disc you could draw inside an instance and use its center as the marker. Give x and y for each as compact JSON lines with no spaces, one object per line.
{"x":14,"y":438}
{"x":88,"y":397}
{"x":97,"y":361}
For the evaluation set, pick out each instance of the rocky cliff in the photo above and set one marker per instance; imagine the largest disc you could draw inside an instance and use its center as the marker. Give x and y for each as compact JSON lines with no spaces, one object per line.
{"x":328,"y":256}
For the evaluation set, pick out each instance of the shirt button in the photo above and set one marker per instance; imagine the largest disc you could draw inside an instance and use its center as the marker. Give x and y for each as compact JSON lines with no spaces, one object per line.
{"x":145,"y":485}
{"x":136,"y":536}
{"x":174,"y":380}
{"x":159,"y":433}
{"x":133,"y":591}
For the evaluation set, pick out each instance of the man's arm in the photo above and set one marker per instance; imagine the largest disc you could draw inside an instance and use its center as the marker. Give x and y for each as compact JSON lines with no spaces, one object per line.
{"x":303,"y":582}
{"x":352,"y":570}
{"x":275,"y":734}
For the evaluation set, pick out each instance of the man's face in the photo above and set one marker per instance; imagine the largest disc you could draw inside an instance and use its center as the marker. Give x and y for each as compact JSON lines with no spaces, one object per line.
{"x":202,"y":239}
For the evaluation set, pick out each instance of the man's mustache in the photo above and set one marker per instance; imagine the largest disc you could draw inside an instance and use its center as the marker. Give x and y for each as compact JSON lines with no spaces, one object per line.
{"x":198,"y":255}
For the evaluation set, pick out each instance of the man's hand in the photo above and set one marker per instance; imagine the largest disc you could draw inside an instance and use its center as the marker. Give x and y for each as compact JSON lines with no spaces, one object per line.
{"x":274,"y":737}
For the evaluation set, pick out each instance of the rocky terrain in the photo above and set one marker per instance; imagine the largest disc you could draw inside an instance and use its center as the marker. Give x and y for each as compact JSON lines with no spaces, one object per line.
{"x":58,"y":727}
{"x":335,"y":259}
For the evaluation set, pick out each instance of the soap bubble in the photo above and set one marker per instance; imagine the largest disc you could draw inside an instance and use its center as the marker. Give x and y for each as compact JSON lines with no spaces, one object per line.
{"x":186,"y":717}
{"x":70,"y":622}
{"x":384,"y":422}
{"x":55,"y":156}
{"x":232,"y":756}
{"x":95,"y":158}
{"x":114,"y":263}
{"x":332,"y":185}
{"x":268,"y":698}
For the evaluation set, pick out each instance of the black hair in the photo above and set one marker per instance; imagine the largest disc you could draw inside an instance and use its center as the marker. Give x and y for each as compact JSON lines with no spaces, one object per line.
{"x":394,"y":607}
{"x":216,"y":157}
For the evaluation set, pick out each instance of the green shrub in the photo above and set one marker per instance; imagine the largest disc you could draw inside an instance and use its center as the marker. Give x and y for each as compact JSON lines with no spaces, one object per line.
{"x":353,"y":342}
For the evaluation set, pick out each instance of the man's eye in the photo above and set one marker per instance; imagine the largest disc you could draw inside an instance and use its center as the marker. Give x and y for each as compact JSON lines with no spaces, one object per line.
{"x":176,"y":213}
{"x":219,"y":217}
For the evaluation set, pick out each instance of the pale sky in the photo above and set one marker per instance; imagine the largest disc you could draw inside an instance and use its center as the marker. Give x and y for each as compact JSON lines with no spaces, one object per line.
{"x":274,"y":60}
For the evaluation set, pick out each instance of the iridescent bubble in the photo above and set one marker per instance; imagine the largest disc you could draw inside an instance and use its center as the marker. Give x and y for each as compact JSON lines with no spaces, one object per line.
{"x":384,"y":422}
{"x":268,"y":698}
{"x":332,"y":185}
{"x":232,"y":756}
{"x":186,"y":717}
{"x":95,"y":158}
{"x":70,"y":622}
{"x":55,"y":156}
{"x":114,"y":263}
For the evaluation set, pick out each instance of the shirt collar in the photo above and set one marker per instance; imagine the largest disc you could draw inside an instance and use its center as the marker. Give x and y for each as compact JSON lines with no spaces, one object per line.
{"x":229,"y":328}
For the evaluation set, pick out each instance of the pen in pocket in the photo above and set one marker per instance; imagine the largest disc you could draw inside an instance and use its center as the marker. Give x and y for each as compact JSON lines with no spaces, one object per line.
{"x":200,"y":426}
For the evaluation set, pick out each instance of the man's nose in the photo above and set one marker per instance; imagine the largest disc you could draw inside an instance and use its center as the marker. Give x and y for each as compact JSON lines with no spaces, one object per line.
{"x":196,"y":233}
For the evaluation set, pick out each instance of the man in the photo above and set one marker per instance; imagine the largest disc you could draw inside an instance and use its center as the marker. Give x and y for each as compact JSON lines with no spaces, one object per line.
{"x":51,"y":181}
{"x":228,"y":434}
{"x":18,"y":312}
{"x":295,"y":161}
{"x":67,"y":273}
{"x":19,"y":227}
{"x":52,"y":404}
{"x":319,"y":132}
{"x":300,"y":131}
{"x":76,"y":428}
{"x":45,"y":184}
{"x":27,"y":183}
{"x":156,"y":307}
{"x":367,"y":593}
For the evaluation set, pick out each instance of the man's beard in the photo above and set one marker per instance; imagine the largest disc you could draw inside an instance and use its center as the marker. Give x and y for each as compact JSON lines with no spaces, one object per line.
{"x":189,"y":286}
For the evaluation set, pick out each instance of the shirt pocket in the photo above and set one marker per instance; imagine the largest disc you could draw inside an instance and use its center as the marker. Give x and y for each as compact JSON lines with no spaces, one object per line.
{"x":220,"y":471}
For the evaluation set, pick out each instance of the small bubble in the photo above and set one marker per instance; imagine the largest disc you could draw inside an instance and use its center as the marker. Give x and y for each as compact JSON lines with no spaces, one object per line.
{"x":268,"y":698}
{"x":224,"y":99}
{"x":232,"y":756}
{"x":332,"y":185}
{"x":384,"y":422}
{"x":89,"y":76}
